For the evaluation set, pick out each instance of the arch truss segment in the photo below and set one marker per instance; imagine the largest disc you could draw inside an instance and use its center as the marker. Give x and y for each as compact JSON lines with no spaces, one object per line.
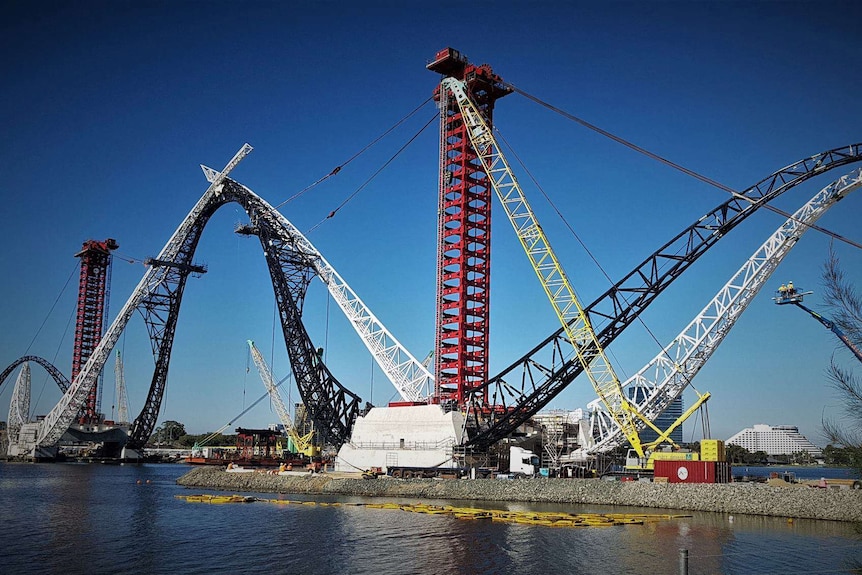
{"x":158,"y":297}
{"x":19,"y":406}
{"x":667,"y":375}
{"x":545,"y":263}
{"x":529,"y":384}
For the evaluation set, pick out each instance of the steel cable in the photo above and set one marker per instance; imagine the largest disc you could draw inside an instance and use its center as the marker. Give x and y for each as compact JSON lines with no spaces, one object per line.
{"x":676,"y":166}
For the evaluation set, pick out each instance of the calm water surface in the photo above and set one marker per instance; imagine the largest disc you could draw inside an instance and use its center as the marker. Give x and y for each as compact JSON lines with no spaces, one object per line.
{"x":91,"y":518}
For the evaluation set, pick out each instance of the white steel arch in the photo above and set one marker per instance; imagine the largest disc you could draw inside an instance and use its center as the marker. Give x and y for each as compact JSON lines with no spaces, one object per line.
{"x":57,"y":421}
{"x":408,"y":375}
{"x":19,"y":407}
{"x":668,"y":374}
{"x":398,"y":364}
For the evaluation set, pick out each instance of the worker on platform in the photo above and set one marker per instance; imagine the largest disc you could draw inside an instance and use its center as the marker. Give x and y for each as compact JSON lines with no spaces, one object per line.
{"x":782,"y":291}
{"x":790,"y":291}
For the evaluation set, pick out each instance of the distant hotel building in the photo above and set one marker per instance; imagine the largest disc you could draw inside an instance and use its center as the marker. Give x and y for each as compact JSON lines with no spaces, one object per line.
{"x":774,"y":440}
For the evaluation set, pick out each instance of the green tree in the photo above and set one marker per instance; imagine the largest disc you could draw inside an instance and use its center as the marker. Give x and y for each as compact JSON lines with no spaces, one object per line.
{"x":168,"y":432}
{"x":218,"y":440}
{"x":736,"y":453}
{"x":758,"y":457}
{"x":845,"y":309}
{"x":800,"y":458}
{"x":836,"y":456}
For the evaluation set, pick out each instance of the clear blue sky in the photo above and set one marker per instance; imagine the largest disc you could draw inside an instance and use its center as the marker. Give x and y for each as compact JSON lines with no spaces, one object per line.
{"x":107,"y":109}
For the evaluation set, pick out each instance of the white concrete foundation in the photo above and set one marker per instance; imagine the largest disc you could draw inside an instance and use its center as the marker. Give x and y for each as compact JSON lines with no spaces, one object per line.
{"x":411,"y":436}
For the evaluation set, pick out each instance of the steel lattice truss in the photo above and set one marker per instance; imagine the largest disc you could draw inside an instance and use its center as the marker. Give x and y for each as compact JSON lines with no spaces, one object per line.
{"x":409,"y":376}
{"x":122,"y":396}
{"x":525,"y":387}
{"x":159,"y":294}
{"x":556,"y":284}
{"x":332,"y":407}
{"x":671,"y":371}
{"x":55,"y":373}
{"x":19,"y":406}
{"x":411,"y":379}
{"x":271,"y":388}
{"x":463,"y":236}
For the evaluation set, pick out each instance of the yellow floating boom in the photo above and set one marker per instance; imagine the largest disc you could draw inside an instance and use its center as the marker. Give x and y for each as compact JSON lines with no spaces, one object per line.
{"x":546,"y":518}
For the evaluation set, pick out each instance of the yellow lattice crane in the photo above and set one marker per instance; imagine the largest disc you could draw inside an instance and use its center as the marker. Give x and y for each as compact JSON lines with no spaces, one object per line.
{"x":553,"y":278}
{"x":303,"y":443}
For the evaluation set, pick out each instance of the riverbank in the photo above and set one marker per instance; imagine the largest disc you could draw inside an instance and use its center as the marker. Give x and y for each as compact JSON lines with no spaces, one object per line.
{"x":734,"y":498}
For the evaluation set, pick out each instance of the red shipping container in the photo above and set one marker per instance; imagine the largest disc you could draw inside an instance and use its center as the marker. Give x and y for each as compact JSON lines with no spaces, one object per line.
{"x":693,"y":471}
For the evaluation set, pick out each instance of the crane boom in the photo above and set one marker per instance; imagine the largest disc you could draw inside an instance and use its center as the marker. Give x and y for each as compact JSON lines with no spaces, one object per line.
{"x":553,"y":278}
{"x":269,"y":383}
{"x":668,"y":374}
{"x":796,"y":299}
{"x":303,"y":443}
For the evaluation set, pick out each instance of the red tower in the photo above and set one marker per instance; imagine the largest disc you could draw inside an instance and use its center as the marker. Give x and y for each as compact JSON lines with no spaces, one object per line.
{"x":464,"y":235}
{"x":92,"y":308}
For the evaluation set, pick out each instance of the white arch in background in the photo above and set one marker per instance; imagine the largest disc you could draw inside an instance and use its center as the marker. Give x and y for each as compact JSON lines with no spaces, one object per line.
{"x":671,"y":371}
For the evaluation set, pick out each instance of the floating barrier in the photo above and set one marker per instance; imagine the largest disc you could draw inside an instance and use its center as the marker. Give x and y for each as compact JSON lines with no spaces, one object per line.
{"x":217,"y":498}
{"x":546,"y":518}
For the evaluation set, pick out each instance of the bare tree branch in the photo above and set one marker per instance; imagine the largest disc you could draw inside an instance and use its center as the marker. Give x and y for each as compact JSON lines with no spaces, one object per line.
{"x":845,"y":309}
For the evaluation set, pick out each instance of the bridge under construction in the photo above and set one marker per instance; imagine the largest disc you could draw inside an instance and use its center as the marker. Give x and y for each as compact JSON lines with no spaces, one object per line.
{"x":471,"y":410}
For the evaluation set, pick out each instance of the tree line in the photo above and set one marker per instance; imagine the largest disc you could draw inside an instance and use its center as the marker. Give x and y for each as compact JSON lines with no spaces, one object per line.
{"x":173,"y":434}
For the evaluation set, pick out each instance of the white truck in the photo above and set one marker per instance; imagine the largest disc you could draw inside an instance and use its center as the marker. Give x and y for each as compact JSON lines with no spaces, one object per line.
{"x":522,"y":462}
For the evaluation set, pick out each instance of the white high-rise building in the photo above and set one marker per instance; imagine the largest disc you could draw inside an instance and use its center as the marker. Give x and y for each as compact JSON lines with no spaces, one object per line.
{"x":774,"y":440}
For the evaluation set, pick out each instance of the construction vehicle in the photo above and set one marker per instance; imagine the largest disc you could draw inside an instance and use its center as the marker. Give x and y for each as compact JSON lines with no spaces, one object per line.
{"x":522,"y":462}
{"x":642,"y":456}
{"x":788,"y":294}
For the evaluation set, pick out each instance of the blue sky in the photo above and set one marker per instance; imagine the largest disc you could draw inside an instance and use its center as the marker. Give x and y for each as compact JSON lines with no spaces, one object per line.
{"x":108,"y":108}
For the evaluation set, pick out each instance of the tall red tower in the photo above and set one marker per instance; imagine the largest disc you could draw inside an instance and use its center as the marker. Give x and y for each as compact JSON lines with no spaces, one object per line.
{"x":463,"y":236}
{"x":89,"y":319}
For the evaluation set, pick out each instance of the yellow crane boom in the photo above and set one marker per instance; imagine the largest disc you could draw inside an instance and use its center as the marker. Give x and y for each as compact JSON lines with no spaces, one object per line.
{"x":553,"y":278}
{"x":303,"y":443}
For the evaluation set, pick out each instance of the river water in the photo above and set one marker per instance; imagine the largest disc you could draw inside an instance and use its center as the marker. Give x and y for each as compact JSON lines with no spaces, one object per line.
{"x":118,"y":519}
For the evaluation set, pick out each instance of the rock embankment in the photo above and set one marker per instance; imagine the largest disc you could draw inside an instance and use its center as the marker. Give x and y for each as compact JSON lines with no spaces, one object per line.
{"x":736,"y":498}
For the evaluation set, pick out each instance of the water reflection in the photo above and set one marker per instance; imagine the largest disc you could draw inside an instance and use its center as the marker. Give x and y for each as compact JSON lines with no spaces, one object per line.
{"x":98,"y":519}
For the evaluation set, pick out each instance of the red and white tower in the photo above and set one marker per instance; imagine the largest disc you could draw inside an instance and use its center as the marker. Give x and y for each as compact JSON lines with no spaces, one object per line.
{"x":93,"y":289}
{"x":464,"y":235}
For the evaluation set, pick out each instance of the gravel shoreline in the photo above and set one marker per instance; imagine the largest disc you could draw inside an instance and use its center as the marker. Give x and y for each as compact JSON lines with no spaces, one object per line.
{"x":735,"y":498}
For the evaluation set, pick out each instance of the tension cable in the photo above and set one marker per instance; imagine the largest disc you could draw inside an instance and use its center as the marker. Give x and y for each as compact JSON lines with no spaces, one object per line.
{"x":676,"y":166}
{"x":374,"y":175}
{"x":338,"y":168}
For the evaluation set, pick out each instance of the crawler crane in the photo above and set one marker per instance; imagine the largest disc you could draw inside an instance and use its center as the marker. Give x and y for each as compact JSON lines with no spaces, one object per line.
{"x":558,"y":288}
{"x":303,"y":444}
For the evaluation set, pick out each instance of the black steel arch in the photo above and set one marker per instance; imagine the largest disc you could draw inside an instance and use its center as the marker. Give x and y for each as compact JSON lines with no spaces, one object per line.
{"x":330,"y":405}
{"x":526,"y":386}
{"x":55,"y":373}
